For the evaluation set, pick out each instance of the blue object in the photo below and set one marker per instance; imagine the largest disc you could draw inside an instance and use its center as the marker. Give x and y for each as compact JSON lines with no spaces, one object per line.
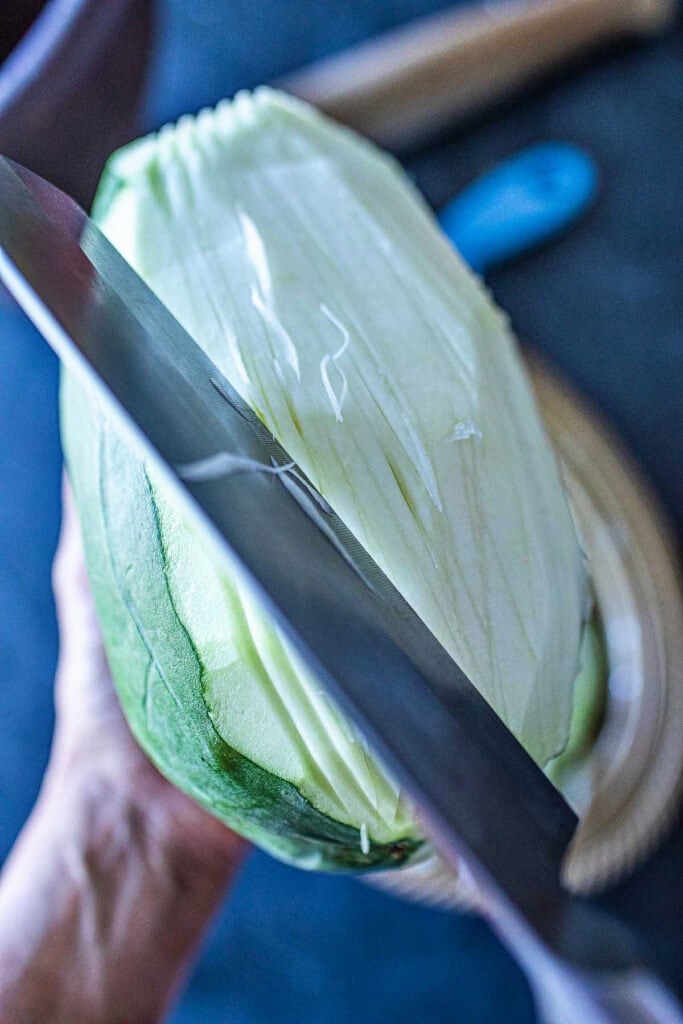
{"x":520,"y":204}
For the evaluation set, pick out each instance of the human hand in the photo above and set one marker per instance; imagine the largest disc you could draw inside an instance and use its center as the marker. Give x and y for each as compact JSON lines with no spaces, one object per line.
{"x":91,"y":733}
{"x":116,"y":874}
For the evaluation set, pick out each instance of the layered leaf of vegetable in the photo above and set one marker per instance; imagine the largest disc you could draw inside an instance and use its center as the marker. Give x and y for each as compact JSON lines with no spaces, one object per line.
{"x":309,"y":269}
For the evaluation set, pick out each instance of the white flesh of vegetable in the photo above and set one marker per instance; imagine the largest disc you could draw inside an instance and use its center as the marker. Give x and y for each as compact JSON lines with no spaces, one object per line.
{"x":312,"y":273}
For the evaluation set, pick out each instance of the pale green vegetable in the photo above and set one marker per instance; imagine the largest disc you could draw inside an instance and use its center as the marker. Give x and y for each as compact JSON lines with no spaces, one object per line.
{"x":588,"y":707}
{"x":308,"y":268}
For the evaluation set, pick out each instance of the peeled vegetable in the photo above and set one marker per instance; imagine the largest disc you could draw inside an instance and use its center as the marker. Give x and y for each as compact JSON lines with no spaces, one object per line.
{"x":312,"y":273}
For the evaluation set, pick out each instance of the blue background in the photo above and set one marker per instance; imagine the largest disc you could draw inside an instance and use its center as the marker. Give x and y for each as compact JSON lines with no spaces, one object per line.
{"x":604,"y":302}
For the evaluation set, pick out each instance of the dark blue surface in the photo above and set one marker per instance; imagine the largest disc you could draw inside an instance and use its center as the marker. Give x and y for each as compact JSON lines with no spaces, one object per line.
{"x":603,"y":301}
{"x":208,"y":49}
{"x":30,"y":468}
{"x":294,"y":948}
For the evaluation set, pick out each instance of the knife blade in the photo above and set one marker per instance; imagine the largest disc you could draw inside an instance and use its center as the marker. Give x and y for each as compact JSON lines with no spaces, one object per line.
{"x":483,"y":798}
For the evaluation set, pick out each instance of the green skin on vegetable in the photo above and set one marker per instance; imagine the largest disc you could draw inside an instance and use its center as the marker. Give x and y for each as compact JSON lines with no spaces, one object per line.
{"x":158,"y":670}
{"x":199,"y":671}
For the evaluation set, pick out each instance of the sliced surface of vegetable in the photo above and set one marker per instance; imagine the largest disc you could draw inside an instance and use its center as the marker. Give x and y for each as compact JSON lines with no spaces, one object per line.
{"x":309,"y":269}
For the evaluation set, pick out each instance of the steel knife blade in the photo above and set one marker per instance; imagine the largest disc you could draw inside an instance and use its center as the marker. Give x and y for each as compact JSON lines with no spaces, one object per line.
{"x":482,"y":797}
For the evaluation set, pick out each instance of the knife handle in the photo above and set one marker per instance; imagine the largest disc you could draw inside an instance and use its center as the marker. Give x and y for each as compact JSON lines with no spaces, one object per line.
{"x":401,"y":87}
{"x":520,"y":204}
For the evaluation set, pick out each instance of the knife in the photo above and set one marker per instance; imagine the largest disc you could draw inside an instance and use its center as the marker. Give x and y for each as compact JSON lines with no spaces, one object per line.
{"x":483,"y":799}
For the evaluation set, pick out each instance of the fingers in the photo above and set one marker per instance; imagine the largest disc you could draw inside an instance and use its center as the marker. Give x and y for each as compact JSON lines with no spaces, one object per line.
{"x":91,"y":729}
{"x":76,"y":614}
{"x":69,"y":576}
{"x":83,"y":684}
